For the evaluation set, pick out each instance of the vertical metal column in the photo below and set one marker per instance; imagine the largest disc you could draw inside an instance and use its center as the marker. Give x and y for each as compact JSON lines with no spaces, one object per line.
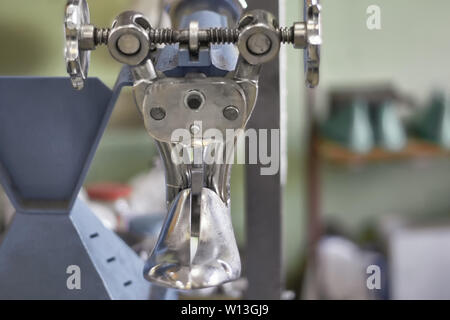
{"x":263,"y":193}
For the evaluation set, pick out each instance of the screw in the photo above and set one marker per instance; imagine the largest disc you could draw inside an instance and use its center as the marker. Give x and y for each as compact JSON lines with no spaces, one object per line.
{"x":259,"y":44}
{"x":128,"y":44}
{"x":231,"y":113}
{"x":158,"y":113}
{"x":195,"y":129}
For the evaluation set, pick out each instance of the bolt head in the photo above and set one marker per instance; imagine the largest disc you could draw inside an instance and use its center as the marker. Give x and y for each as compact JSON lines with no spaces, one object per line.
{"x":195,"y":129}
{"x":259,"y":44}
{"x":128,"y":44}
{"x":158,"y":113}
{"x":231,"y":113}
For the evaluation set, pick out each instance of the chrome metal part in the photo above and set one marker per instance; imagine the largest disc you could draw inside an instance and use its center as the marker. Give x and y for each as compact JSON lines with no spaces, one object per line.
{"x":259,"y":44}
{"x":204,"y":36}
{"x":143,"y":75}
{"x":197,"y":248}
{"x":312,"y":19}
{"x":300,"y":40}
{"x":77,"y":60}
{"x":128,"y":40}
{"x":87,"y":37}
{"x":210,"y":260}
{"x":259,"y":40}
{"x":128,"y":44}
{"x":231,"y":113}
{"x":194,"y":100}
{"x":194,"y":42}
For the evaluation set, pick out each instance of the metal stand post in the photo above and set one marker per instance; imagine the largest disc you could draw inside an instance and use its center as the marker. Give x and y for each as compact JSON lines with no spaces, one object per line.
{"x":264,"y":193}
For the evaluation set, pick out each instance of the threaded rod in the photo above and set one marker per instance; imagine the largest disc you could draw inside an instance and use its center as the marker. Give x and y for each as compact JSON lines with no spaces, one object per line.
{"x":206,"y":36}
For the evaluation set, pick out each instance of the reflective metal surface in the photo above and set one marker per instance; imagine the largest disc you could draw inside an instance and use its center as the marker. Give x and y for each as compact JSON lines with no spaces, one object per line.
{"x":188,"y":260}
{"x":77,"y":60}
{"x":312,"y":12}
{"x":259,"y":38}
{"x":175,"y":96}
{"x":128,"y":40}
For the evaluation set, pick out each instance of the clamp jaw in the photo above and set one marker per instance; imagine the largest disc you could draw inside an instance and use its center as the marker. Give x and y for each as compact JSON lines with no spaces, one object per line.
{"x":196,"y":248}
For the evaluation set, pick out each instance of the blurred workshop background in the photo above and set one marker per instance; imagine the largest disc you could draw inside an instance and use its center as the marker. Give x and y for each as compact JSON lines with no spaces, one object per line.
{"x":383,"y":142}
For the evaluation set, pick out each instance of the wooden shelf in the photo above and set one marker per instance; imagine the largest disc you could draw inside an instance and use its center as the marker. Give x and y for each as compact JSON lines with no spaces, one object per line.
{"x":335,"y":153}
